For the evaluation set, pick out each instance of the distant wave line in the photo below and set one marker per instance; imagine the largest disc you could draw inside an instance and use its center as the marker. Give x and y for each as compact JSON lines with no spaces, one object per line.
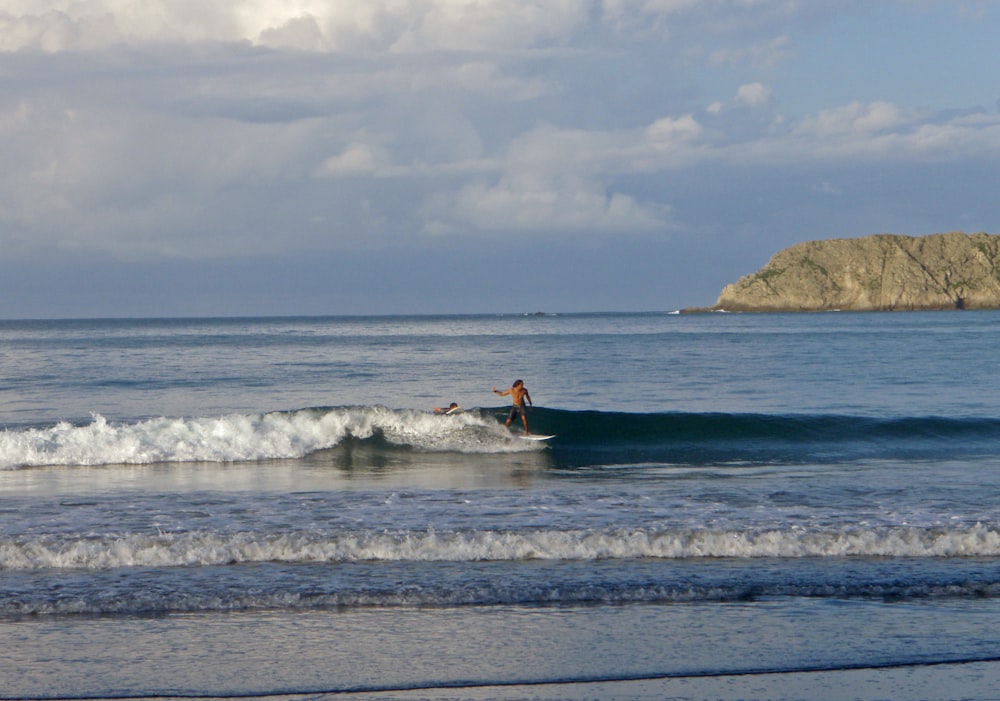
{"x":207,"y":548}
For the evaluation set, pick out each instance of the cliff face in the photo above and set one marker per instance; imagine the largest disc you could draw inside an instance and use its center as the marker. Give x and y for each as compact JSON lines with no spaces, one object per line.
{"x":875,"y":273}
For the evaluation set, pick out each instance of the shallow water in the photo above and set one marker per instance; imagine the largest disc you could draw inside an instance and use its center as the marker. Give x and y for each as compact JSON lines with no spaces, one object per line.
{"x":478,"y":652}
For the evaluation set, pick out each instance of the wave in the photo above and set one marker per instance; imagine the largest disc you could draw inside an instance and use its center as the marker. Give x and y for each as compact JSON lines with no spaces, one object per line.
{"x":212,"y":548}
{"x":594,"y":437}
{"x":249,"y":437}
{"x":205,"y":572}
{"x":583,"y":437}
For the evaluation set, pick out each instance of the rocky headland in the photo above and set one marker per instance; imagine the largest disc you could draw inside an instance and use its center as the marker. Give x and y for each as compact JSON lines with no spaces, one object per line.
{"x":884,"y":272}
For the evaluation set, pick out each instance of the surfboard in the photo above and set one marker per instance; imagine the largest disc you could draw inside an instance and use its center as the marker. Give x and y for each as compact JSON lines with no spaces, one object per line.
{"x":452,"y":412}
{"x":533,"y":437}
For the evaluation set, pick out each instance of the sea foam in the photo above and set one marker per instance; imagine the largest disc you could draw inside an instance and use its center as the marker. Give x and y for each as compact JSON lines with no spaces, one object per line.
{"x":207,"y":548}
{"x":248,"y":437}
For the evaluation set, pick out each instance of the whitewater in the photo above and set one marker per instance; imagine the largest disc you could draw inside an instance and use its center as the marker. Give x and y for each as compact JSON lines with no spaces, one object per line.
{"x":240,"y":437}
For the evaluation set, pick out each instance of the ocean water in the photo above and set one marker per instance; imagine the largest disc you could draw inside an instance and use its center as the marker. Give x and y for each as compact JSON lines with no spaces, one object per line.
{"x":734,"y":506}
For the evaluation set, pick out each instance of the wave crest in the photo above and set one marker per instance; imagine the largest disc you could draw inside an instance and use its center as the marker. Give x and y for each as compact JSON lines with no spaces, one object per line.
{"x":211,"y":548}
{"x":248,"y":437}
{"x":584,"y":437}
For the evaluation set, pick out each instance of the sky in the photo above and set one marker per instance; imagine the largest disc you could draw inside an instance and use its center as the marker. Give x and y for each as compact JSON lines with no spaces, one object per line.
{"x":173,"y":158}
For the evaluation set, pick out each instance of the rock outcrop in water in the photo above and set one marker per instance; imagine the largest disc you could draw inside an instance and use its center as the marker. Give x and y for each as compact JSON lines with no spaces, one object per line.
{"x":884,"y":272}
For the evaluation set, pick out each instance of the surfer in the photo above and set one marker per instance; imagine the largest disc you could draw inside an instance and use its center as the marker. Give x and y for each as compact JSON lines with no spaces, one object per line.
{"x":452,"y":408}
{"x":518,"y":393}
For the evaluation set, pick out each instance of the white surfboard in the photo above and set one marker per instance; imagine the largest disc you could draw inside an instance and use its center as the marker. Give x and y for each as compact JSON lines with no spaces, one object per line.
{"x":533,"y":437}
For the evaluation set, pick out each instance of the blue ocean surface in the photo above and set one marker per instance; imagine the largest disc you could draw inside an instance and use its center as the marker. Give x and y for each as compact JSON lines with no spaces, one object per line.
{"x":734,"y":506}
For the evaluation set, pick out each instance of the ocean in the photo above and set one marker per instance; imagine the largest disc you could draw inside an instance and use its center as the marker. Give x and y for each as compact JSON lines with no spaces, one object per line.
{"x":775,"y":506}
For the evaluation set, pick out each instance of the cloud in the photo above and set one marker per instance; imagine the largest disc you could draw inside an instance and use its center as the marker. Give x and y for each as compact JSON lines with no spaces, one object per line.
{"x":856,"y":118}
{"x":668,"y":131}
{"x":183,"y":129}
{"x":528,"y":203}
{"x":356,"y":160}
{"x":308,"y":25}
{"x":753,"y":95}
{"x":887,"y":133}
{"x":400,"y":26}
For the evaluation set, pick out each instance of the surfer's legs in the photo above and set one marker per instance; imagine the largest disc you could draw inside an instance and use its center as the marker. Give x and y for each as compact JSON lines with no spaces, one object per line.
{"x":516,"y":411}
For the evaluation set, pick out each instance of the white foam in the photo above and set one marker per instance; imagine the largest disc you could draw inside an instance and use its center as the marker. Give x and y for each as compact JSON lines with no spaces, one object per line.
{"x":241,"y":437}
{"x":212,"y":548}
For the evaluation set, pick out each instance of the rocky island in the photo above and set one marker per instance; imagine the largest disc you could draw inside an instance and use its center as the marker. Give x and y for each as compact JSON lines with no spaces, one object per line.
{"x":884,"y":272}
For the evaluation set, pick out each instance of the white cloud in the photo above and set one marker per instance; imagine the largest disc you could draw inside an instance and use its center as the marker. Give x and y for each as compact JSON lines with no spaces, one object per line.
{"x":962,"y":138}
{"x":753,"y":95}
{"x":553,"y":180}
{"x":310,"y":25}
{"x":669,"y":131}
{"x":530,"y":203}
{"x":857,"y":118}
{"x":878,"y":132}
{"x":398,"y":26}
{"x":91,"y":177}
{"x":302,"y":33}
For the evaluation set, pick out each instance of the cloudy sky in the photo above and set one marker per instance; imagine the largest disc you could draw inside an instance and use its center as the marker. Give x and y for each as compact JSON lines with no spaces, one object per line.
{"x":251,"y":157}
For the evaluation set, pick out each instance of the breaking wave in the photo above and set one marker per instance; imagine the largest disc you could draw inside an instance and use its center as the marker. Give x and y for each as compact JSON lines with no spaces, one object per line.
{"x":212,"y":548}
{"x":246,"y":437}
{"x":205,"y":572}
{"x":583,"y":437}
